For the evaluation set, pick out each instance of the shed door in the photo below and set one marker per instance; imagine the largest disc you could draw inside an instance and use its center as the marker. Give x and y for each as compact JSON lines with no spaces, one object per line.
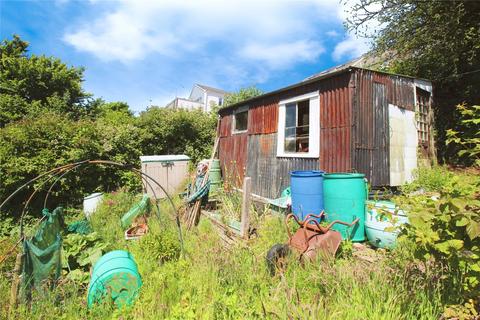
{"x":371,"y":131}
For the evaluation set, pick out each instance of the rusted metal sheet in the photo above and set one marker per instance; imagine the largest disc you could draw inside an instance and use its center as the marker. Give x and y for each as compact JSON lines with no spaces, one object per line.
{"x":399,"y":90}
{"x":233,"y":156}
{"x":270,"y":174}
{"x":263,"y":117}
{"x":335,"y":124}
{"x":371,"y":129}
{"x":225,"y":125}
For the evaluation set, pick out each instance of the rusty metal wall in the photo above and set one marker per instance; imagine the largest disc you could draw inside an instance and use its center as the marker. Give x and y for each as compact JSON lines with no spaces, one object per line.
{"x":371,"y":128}
{"x":399,"y":90}
{"x":336,"y":123}
{"x":263,"y":117}
{"x":270,"y":174}
{"x":225,"y":125}
{"x":233,"y":156}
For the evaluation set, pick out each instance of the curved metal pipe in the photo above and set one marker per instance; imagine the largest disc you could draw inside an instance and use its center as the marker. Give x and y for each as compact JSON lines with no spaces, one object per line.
{"x":55,"y":182}
{"x":38,"y":177}
{"x":69,"y":167}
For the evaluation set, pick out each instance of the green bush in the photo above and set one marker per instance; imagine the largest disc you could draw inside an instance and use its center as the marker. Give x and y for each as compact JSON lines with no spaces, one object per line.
{"x":443,"y":237}
{"x":466,"y":137}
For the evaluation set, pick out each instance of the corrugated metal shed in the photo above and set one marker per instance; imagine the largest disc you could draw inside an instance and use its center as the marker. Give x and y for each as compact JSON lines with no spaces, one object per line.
{"x":354,"y":129}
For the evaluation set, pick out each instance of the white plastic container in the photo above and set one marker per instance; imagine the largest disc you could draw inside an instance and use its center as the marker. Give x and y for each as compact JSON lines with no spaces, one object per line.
{"x":91,"y":202}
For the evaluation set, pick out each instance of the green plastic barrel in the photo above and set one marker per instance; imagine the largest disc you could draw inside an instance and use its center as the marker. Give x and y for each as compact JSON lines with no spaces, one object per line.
{"x":215,"y":177}
{"x":344,"y":196}
{"x":115,"y":276}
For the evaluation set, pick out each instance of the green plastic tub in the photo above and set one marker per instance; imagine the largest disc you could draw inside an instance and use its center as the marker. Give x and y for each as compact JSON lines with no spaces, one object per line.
{"x":115,"y":276}
{"x":344,"y":196}
{"x":382,"y":223}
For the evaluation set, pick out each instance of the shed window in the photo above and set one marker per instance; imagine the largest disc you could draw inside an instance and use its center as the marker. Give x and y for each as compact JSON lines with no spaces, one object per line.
{"x":299,"y":127}
{"x":240,"y":120}
{"x":422,"y":111}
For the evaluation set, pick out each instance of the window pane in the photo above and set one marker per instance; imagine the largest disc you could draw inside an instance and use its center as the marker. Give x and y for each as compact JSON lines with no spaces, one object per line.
{"x":302,"y":139}
{"x":290,"y":115}
{"x":303,"y":128}
{"x":297,"y":120}
{"x":303,"y":113}
{"x":290,"y":144}
{"x":290,"y":132}
{"x":241,"y":121}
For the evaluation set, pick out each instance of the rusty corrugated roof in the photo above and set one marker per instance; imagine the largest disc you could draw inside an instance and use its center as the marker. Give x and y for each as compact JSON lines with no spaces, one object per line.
{"x":349,"y":66}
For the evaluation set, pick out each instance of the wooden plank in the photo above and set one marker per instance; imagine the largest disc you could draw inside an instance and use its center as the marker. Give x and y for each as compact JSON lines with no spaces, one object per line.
{"x":16,"y":281}
{"x":245,"y":218}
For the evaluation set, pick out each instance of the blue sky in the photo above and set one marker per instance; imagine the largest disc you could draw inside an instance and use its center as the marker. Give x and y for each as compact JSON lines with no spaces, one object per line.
{"x":148,"y":52}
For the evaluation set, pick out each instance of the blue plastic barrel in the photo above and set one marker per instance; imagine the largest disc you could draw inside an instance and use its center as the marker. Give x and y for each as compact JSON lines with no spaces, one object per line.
{"x":307,"y":192}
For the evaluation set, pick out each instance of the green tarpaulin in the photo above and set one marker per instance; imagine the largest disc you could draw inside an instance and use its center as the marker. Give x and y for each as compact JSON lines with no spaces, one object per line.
{"x":42,"y":253}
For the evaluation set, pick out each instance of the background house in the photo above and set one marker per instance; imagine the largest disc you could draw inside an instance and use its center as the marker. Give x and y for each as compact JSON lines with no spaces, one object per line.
{"x":185,"y":104}
{"x":201,"y":96}
{"x":347,"y":119}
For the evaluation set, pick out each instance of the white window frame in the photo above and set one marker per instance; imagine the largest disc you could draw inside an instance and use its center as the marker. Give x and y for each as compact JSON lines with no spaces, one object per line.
{"x":314,"y":127}
{"x":239,"y":110}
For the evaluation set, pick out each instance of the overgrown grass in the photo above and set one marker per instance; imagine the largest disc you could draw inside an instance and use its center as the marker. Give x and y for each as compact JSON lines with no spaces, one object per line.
{"x":211,"y":281}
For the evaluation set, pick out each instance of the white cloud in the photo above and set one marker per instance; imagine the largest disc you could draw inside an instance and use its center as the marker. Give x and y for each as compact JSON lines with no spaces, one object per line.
{"x":354,"y":46}
{"x":134,"y":29}
{"x":351,"y":47}
{"x":332,"y":33}
{"x":280,"y":55}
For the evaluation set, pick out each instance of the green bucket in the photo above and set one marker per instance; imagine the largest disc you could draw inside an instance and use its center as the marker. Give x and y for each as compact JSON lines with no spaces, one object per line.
{"x":344,"y":199}
{"x":115,"y":276}
{"x":215,"y":177}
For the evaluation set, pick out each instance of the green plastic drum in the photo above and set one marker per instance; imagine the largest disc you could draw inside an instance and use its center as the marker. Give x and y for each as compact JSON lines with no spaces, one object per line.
{"x":215,"y":177}
{"x":115,"y":276}
{"x":344,"y":196}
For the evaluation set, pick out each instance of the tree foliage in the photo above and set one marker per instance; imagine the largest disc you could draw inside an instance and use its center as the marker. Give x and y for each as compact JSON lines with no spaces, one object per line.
{"x":31,"y":84}
{"x":467,"y":140}
{"x":437,"y":40}
{"x":177,"y":131}
{"x":241,"y":95}
{"x":47,"y":120}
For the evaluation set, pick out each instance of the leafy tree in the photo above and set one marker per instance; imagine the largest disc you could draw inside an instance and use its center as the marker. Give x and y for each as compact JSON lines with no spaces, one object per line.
{"x":438,"y":40}
{"x":35,"y":145}
{"x":177,"y":131}
{"x":30,"y":83}
{"x":99,"y":108}
{"x":47,"y":120}
{"x":241,"y":95}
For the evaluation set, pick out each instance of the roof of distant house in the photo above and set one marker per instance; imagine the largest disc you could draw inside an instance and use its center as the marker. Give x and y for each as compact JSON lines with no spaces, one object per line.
{"x":210,"y":88}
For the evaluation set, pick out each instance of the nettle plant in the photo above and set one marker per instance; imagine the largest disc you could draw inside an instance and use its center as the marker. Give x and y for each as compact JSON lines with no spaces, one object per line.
{"x":466,"y":138}
{"x":446,"y":231}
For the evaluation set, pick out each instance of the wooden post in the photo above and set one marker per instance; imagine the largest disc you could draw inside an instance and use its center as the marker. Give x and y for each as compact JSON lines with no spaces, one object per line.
{"x":16,"y":281}
{"x":245,"y":220}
